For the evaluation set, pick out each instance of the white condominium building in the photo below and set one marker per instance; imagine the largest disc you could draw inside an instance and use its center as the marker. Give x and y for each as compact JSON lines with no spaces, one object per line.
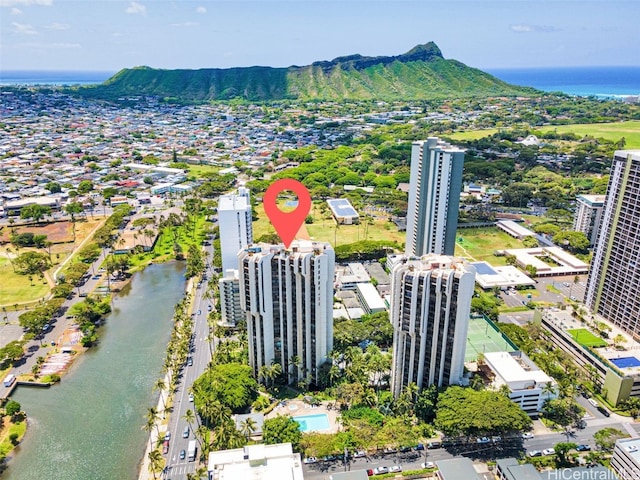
{"x":589,"y":216}
{"x":287,"y":297}
{"x":234,"y":220}
{"x":430,"y":305}
{"x":434,"y":197}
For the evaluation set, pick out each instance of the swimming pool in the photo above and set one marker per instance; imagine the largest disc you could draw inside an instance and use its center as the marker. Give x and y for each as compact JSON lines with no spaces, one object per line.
{"x":313,"y":423}
{"x":625,"y":362}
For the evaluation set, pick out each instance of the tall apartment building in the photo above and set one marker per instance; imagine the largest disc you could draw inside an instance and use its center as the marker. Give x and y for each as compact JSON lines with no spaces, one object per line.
{"x":229,"y":288}
{"x":234,"y":220}
{"x":430,"y":305}
{"x":615,"y":270}
{"x":434,"y":197}
{"x":588,"y":217}
{"x":287,"y":297}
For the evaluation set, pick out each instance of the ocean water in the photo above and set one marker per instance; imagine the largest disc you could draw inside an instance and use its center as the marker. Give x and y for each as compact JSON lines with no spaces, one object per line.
{"x":45,"y":77}
{"x":584,"y":81}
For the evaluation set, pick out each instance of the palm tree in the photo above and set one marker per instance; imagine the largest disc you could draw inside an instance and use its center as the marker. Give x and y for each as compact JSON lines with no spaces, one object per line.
{"x":147,"y":427}
{"x":160,"y":385}
{"x":295,"y":362}
{"x":248,"y":426}
{"x":155,"y":462}
{"x":153,"y":417}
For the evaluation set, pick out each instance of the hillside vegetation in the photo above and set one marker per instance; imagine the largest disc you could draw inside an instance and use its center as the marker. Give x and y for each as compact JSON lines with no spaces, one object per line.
{"x":421,"y":73}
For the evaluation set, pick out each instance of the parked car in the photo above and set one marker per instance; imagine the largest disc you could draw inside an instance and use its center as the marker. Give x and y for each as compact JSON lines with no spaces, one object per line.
{"x":183,"y":454}
{"x":310,"y":460}
{"x":432,"y":445}
{"x":420,"y":446}
{"x":527,"y":435}
{"x":167,"y":436}
{"x":604,"y":411}
{"x":191,"y":397}
{"x":370,"y":472}
{"x":379,"y":470}
{"x":548,"y":451}
{"x":535,"y":453}
{"x":359,"y":454}
{"x":395,"y":469}
{"x":189,"y":361}
{"x":483,"y":440}
{"x":165,"y":447}
{"x":583,"y":448}
{"x":428,"y":465}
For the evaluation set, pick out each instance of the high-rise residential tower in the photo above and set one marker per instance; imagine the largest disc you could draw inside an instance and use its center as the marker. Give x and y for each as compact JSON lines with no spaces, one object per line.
{"x":612,"y":288}
{"x":588,"y":217}
{"x":234,"y":220}
{"x":229,"y":288}
{"x":434,"y":197}
{"x":287,"y":297}
{"x":430,"y":305}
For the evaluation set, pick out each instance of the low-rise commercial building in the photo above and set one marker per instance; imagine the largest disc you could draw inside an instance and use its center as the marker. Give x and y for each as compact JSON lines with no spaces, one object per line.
{"x":529,"y":386}
{"x":267,"y":462}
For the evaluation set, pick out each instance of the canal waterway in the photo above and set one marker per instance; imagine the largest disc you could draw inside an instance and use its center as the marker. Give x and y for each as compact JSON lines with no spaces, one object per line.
{"x":90,"y":425}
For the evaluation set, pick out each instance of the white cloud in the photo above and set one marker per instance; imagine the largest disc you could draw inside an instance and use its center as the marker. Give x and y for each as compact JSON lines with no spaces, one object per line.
{"x":57,"y":26}
{"x":135,"y":7}
{"x":43,"y":46}
{"x":201,"y":9}
{"x":23,"y":28}
{"x":525,"y":28}
{"x":16,"y":11}
{"x":26,"y":3}
{"x":185,"y":24}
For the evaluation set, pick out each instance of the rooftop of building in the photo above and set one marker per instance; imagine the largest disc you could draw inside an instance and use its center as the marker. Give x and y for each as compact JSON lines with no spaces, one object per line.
{"x":259,"y":462}
{"x":233,"y":202}
{"x":515,"y":367}
{"x":592,"y":199}
{"x":457,"y":469}
{"x":623,"y":355}
{"x":489,"y":276}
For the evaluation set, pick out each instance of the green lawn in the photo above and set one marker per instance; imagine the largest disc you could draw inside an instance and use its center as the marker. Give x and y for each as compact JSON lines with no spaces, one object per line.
{"x":478,"y":244}
{"x":586,"y":338}
{"x":611,"y":131}
{"x":472,"y":134}
{"x":323,"y":229}
{"x":17,"y":288}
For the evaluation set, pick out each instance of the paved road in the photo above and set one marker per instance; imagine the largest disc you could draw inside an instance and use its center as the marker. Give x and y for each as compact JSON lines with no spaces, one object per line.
{"x":177,"y":469}
{"x":480,"y":452}
{"x":40,"y":347}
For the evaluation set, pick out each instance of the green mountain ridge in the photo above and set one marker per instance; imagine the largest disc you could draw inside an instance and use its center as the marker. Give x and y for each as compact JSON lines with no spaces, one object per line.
{"x":421,"y":73}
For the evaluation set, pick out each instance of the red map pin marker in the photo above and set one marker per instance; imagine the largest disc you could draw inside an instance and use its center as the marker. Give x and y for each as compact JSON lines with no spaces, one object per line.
{"x":287,"y":224}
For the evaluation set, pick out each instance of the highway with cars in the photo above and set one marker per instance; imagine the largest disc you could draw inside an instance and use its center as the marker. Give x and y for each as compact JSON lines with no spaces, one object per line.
{"x":177,"y":467}
{"x":490,"y":450}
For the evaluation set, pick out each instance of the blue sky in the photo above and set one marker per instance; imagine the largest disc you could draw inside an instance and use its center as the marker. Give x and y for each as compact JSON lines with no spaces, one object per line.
{"x":110,"y":35}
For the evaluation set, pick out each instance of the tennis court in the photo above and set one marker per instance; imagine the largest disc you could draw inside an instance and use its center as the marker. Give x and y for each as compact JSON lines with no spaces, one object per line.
{"x":484,"y":337}
{"x":586,"y":338}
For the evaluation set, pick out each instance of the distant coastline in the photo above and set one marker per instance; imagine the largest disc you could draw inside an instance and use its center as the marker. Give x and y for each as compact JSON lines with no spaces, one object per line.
{"x":50,"y":77}
{"x":606,"y":82}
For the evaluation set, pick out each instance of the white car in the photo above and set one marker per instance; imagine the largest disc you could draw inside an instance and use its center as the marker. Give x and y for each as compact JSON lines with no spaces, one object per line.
{"x":483,"y":440}
{"x":191,"y":397}
{"x":428,"y":465}
{"x":527,"y":435}
{"x":548,"y":451}
{"x":310,"y":460}
{"x":359,"y":454}
{"x":395,"y":468}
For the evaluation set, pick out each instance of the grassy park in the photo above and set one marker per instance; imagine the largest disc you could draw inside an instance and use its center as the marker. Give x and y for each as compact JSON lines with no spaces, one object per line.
{"x":586,"y":338}
{"x":610,"y":131}
{"x":479,"y":244}
{"x":325,"y":229}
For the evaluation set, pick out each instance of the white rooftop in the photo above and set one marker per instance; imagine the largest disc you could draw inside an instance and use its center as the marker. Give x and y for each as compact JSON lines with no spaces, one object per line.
{"x":256,"y":462}
{"x":512,"y":371}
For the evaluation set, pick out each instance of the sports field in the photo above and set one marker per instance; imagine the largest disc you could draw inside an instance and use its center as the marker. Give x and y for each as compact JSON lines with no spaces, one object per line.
{"x":484,"y":338}
{"x":479,"y":244}
{"x":586,"y":338}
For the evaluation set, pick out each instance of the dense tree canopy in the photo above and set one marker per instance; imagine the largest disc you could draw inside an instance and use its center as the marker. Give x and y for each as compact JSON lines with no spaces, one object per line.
{"x":468,"y":412}
{"x":232,"y":384}
{"x":282,"y":429}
